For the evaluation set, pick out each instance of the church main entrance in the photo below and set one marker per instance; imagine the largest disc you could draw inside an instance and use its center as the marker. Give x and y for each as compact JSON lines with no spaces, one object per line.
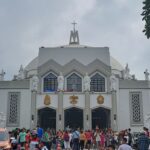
{"x":47,"y":118}
{"x":74,"y":118}
{"x":100,"y":118}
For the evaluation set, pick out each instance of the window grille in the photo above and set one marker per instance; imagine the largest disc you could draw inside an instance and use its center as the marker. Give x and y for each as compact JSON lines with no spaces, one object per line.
{"x":13,"y":108}
{"x":74,"y":83}
{"x":136,"y":108}
{"x":50,"y":83}
{"x":97,"y":83}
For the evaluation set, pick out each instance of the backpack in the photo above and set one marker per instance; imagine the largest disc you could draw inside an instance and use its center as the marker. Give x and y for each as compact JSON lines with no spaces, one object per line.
{"x":66,"y":137}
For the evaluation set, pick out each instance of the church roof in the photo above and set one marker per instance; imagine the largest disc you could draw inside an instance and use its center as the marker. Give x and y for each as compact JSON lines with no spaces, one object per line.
{"x":74,"y":45}
{"x":115,"y":65}
{"x":33,"y":65}
{"x":82,"y":53}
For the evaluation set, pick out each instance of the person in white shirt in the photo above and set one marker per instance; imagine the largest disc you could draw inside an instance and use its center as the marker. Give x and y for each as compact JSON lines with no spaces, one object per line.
{"x":124,"y":145}
{"x":97,"y":138}
{"x":42,"y":146}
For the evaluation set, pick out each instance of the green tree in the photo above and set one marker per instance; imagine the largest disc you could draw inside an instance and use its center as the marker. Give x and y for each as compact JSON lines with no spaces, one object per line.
{"x":146,"y":17}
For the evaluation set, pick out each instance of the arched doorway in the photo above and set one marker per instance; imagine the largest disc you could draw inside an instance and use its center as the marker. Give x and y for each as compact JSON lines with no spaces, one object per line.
{"x":74,"y":118}
{"x":47,"y":118}
{"x":101,"y":118}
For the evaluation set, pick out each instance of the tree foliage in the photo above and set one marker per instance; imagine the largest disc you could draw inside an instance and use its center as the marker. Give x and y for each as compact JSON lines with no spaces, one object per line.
{"x":146,"y":17}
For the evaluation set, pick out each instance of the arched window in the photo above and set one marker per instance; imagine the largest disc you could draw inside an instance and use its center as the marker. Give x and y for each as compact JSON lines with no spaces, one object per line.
{"x":97,"y":83}
{"x":74,"y":83}
{"x":50,"y":83}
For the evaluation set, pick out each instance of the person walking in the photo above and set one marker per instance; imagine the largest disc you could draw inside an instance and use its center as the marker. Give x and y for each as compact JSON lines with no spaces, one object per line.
{"x":97,"y":138}
{"x":82,"y":139}
{"x":124,"y":145}
{"x":75,"y":138}
{"x":66,"y":140}
{"x":39,"y":132}
{"x":143,"y":141}
{"x":22,"y":137}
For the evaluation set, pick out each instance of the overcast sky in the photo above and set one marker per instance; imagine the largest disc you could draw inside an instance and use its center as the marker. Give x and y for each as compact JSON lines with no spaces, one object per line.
{"x":27,"y":25}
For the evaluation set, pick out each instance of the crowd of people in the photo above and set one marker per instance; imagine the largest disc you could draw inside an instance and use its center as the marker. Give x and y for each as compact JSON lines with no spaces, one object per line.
{"x":98,"y":139}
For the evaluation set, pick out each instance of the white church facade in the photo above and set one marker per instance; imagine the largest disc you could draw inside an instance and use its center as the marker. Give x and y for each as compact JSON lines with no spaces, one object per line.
{"x":76,"y":86}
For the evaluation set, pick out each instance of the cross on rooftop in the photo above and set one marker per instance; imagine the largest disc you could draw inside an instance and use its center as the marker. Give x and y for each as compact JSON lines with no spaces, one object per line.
{"x":74,"y":24}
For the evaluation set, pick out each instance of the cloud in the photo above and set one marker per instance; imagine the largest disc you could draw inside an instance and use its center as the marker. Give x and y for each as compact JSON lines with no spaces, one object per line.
{"x":27,"y":25}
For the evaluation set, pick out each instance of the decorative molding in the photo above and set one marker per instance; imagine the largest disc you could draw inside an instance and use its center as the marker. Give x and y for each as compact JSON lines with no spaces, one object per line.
{"x":73,"y":99}
{"x":136,"y":108}
{"x":100,"y":99}
{"x":47,"y":100}
{"x":13,"y":109}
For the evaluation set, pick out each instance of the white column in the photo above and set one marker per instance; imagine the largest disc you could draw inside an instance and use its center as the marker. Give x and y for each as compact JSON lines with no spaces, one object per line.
{"x":114,"y":117}
{"x":87,"y":112}
{"x":33,"y":121}
{"x":60,"y":112}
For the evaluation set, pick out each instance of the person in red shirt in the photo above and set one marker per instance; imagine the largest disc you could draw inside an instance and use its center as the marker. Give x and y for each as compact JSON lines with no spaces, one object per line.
{"x":34,"y":141}
{"x":102,"y":140}
{"x":28,"y":137}
{"x":88,"y":136}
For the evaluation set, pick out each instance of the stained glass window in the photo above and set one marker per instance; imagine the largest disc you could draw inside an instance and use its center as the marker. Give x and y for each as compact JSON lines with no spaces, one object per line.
{"x":74,"y":83}
{"x":97,"y":83}
{"x":50,"y":83}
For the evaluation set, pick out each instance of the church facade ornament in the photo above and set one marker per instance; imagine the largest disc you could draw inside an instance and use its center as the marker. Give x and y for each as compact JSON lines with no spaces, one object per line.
{"x":60,"y":80}
{"x":73,"y":99}
{"x":146,"y":73}
{"x":74,"y":36}
{"x":100,"y":99}
{"x":2,"y":74}
{"x":47,"y":100}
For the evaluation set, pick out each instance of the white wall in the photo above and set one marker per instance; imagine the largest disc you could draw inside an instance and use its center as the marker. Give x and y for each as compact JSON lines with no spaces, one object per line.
{"x":124,"y":108}
{"x":25,"y":105}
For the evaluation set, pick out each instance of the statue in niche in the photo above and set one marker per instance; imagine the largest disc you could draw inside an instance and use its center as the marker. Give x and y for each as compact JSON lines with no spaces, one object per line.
{"x":113,"y":83}
{"x":60,"y":80}
{"x":146,"y":75}
{"x":34,"y":83}
{"x":2,"y":74}
{"x":86,"y":82}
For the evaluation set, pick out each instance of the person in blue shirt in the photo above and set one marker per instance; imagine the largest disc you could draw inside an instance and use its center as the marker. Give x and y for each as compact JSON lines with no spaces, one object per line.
{"x":39,"y":132}
{"x":143,"y":141}
{"x":75,"y":138}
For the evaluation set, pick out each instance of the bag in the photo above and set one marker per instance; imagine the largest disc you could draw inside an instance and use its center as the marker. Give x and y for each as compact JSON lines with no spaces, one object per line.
{"x":66,"y":137}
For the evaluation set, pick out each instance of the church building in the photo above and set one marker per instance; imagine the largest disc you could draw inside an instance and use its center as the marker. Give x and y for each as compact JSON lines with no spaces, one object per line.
{"x":77,"y":86}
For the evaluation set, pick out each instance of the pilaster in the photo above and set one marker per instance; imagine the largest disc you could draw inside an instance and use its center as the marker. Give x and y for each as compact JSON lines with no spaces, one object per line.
{"x":87,"y":112}
{"x":60,"y":112}
{"x":33,"y":121}
{"x":114,"y":117}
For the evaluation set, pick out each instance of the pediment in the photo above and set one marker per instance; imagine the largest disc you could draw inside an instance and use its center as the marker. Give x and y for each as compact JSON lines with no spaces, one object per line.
{"x":98,"y":65}
{"x":50,"y":65}
{"x":74,"y":65}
